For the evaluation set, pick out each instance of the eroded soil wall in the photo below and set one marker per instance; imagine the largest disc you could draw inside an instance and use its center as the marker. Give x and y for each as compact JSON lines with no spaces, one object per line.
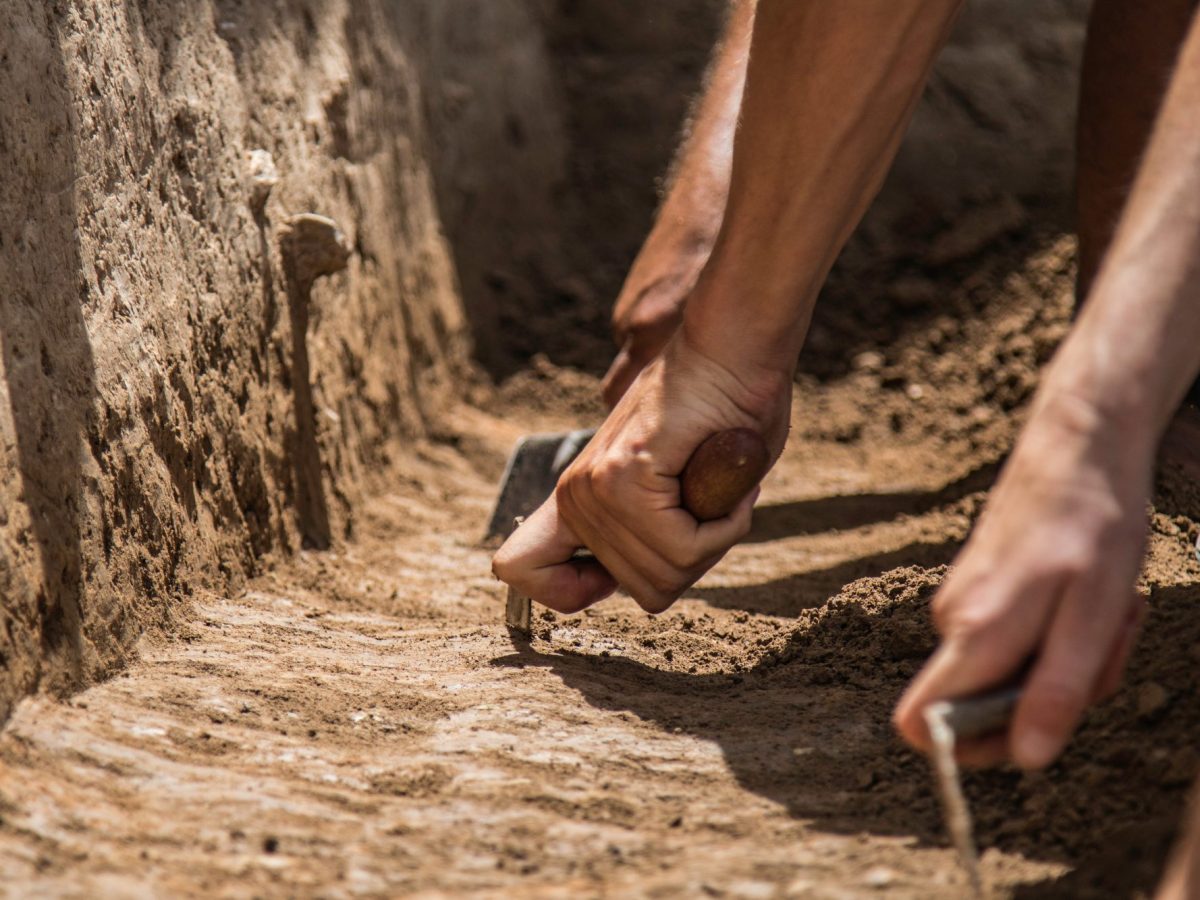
{"x":174,"y":404}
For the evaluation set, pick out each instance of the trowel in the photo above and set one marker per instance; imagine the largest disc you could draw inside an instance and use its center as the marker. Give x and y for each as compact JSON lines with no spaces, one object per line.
{"x":530,"y":476}
{"x":720,"y":472}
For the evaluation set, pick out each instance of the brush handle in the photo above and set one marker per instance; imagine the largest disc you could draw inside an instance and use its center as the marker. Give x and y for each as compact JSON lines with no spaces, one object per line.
{"x":721,"y":471}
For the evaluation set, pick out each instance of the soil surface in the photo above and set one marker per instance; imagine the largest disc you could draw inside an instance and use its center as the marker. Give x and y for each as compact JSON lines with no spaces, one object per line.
{"x":359,"y":722}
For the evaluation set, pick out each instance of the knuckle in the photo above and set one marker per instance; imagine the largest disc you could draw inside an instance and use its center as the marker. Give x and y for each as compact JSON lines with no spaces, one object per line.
{"x":604,"y":479}
{"x":643,"y":320}
{"x":969,"y":623}
{"x":502,"y":566}
{"x":681,"y":557}
{"x":566,"y":493}
{"x":946,"y":608}
{"x":902,"y":722}
{"x":665,"y":586}
{"x":655,"y":601}
{"x":946,"y":604}
{"x":662,"y":586}
{"x":1073,"y":560}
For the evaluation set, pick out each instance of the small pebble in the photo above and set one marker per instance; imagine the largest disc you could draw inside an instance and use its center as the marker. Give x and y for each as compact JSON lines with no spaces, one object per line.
{"x":879,"y":877}
{"x":868,"y":361}
{"x":261,"y":176}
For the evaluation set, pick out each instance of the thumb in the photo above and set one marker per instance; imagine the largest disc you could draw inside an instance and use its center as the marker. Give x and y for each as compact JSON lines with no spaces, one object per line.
{"x":537,"y":561}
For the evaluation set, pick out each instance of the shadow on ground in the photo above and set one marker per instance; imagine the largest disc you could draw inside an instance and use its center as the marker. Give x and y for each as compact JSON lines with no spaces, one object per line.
{"x":808,"y":728}
{"x":840,"y":513}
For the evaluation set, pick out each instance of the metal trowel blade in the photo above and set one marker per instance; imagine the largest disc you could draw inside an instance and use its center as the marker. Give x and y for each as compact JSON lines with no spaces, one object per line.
{"x":531,"y":474}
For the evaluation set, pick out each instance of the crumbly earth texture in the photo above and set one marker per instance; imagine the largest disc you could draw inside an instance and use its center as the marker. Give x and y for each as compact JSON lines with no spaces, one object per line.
{"x":359,"y":723}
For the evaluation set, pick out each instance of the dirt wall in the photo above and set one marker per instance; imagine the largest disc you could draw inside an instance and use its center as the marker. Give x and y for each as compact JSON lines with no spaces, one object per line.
{"x":181,"y":391}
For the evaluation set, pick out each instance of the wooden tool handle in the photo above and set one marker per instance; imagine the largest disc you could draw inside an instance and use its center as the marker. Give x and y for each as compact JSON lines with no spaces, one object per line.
{"x":723,"y":470}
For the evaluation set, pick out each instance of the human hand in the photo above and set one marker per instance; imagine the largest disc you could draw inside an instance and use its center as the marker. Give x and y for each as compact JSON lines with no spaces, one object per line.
{"x":621,"y":497}
{"x":1047,"y":576}
{"x":648,"y":311}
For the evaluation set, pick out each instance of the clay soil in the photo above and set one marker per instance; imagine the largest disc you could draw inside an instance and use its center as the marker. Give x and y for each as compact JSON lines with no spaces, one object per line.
{"x":359,"y":723}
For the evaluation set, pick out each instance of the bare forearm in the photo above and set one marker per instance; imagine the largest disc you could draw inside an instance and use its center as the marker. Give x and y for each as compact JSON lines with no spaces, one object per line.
{"x":1136,"y":347}
{"x":690,"y":215}
{"x":830,"y":90}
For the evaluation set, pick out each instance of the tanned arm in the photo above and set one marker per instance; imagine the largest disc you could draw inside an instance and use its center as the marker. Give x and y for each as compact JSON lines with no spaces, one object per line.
{"x":650,"y":305}
{"x":1049,"y":573}
{"x":829,"y":91}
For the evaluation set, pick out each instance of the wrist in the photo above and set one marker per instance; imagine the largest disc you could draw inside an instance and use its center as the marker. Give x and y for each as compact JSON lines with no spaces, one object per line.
{"x":746,"y":316}
{"x":723,"y":335}
{"x":755,"y":387}
{"x":1065,"y":419}
{"x":1121,"y":394}
{"x":670,"y":261}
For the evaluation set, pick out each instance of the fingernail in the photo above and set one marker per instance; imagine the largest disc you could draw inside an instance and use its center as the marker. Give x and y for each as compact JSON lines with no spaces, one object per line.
{"x":1034,"y":749}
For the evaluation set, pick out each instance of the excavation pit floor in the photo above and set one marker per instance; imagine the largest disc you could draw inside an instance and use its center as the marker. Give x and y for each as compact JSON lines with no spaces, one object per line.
{"x":359,"y":723}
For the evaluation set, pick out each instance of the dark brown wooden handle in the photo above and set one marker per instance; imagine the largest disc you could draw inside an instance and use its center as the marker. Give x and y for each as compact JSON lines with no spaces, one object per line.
{"x":723,"y":470}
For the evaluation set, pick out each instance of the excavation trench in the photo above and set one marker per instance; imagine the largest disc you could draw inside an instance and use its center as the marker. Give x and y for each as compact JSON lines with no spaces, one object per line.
{"x":359,"y":722}
{"x":249,"y":641}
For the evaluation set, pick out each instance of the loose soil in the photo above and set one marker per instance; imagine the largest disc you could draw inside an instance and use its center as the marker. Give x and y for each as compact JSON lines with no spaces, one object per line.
{"x":359,"y":723}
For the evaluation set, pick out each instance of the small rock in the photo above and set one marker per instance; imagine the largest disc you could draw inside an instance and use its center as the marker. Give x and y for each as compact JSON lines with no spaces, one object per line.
{"x":261,"y":177}
{"x":915,"y":392}
{"x":1151,"y":698}
{"x":982,"y":414}
{"x":869,"y":361}
{"x":879,"y":877}
{"x":313,"y":246}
